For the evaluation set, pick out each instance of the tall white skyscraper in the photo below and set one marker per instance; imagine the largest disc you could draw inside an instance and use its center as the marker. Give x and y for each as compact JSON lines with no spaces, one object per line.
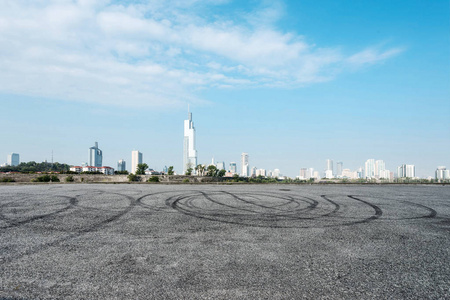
{"x":339,"y":168}
{"x":136,"y":158}
{"x":189,"y":152}
{"x":404,"y":171}
{"x":369,"y":168}
{"x":95,"y":156}
{"x":380,"y":167}
{"x":244,"y":165}
{"x":330,"y":165}
{"x":13,"y":159}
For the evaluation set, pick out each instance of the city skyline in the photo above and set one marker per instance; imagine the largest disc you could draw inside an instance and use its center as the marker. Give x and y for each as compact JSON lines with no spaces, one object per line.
{"x":292,"y":83}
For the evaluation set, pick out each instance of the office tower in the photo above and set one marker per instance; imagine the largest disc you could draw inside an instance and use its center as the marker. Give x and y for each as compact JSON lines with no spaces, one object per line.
{"x":233,"y":168}
{"x":406,"y":171}
{"x":310,"y":173}
{"x":95,"y":156}
{"x":136,"y":158}
{"x":220,"y":165}
{"x":276,"y":173}
{"x":189,"y":152}
{"x":303,"y":172}
{"x":13,"y":159}
{"x":360,"y":172}
{"x":244,"y":165}
{"x":121,"y":166}
{"x":380,"y":167}
{"x":261,"y":172}
{"x":253,"y":172}
{"x":442,"y":173}
{"x":369,"y":168}
{"x":411,"y":171}
{"x":339,"y":168}
{"x":329,"y":174}
{"x":330,"y":165}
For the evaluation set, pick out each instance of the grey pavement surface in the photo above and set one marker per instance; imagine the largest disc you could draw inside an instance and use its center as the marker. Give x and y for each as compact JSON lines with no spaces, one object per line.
{"x":105,"y":241}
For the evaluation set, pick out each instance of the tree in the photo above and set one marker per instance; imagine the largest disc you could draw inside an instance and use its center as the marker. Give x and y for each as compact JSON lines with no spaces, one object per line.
{"x":200,"y":169}
{"x":140,"y":170}
{"x":221,"y":173}
{"x":212,"y":171}
{"x":170,"y":170}
{"x":189,"y":171}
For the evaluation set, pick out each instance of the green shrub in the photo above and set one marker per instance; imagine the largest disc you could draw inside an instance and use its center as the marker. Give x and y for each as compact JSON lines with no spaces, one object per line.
{"x":54,"y":178}
{"x":186,"y":180}
{"x":153,"y":179}
{"x":69,"y":178}
{"x":43,"y":178}
{"x":133,"y":177}
{"x":6,"y":179}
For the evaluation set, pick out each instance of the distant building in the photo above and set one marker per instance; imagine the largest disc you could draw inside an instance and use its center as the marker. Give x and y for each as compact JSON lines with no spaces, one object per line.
{"x":442,"y":173}
{"x":339,"y":167}
{"x":253,"y":172}
{"x":233,"y":168}
{"x":369,"y":168}
{"x":121,"y":166}
{"x":347,"y":173}
{"x":303,"y":173}
{"x":189,"y":151}
{"x":95,"y":156}
{"x":261,"y":172}
{"x":136,"y":159}
{"x":330,"y":165}
{"x":13,"y":159}
{"x":220,"y":165}
{"x":105,"y":170}
{"x":276,"y":173}
{"x":406,"y":171}
{"x":329,"y":174}
{"x":244,"y":165}
{"x":165,"y":170}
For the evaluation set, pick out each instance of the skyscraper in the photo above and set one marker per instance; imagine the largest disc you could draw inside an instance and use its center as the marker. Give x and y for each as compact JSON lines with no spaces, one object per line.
{"x":233,"y":168}
{"x":330,"y":165}
{"x":380,"y":167}
{"x":244,"y":165}
{"x":121,"y":165}
{"x":136,"y":158}
{"x":95,"y":156}
{"x":13,"y":159}
{"x":339,"y":168}
{"x":404,"y":171}
{"x":189,"y":152}
{"x":369,"y":168}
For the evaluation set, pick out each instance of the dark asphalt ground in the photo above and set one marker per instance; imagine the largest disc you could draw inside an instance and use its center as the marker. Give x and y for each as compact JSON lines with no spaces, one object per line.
{"x":104,"y":241}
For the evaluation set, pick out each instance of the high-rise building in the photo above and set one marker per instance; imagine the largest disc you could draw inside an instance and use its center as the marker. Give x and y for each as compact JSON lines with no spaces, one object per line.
{"x":121,"y":166}
{"x":136,"y":158}
{"x":330,"y":165}
{"x":303,"y":173}
{"x":442,"y":173}
{"x":380,"y":167}
{"x":95,"y":156}
{"x":406,"y":171}
{"x":244,"y":165}
{"x":253,"y":172}
{"x":261,"y":172}
{"x":276,"y":173}
{"x":189,"y":152}
{"x":233,"y":167}
{"x":220,"y":165}
{"x":13,"y":159}
{"x":369,"y":168}
{"x":339,"y":168}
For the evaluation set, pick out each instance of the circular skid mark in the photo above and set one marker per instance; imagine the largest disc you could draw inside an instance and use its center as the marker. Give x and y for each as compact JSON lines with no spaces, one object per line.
{"x":74,"y":234}
{"x":27,"y":210}
{"x":271,"y":209}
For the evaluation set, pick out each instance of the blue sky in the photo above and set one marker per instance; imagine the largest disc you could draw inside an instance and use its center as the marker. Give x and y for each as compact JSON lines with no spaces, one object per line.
{"x":290,"y":82}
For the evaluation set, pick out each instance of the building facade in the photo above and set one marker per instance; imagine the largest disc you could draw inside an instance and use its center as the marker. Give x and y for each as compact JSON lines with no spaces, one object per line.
{"x":339,"y":168}
{"x":233,"y":168}
{"x":245,"y":169}
{"x":121,"y":166}
{"x":95,"y":156}
{"x":369,"y":168}
{"x":13,"y":159}
{"x":189,"y":151}
{"x":136,"y":159}
{"x":330,"y":165}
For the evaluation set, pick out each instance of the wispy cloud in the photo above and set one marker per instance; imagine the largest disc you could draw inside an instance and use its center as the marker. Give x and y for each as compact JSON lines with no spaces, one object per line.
{"x":154,"y":54}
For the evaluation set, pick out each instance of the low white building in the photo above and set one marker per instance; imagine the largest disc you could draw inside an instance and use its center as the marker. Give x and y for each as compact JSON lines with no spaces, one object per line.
{"x":104,"y":170}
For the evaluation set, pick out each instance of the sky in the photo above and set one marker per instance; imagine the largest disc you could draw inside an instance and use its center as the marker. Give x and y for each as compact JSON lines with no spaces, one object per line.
{"x":292,"y":83}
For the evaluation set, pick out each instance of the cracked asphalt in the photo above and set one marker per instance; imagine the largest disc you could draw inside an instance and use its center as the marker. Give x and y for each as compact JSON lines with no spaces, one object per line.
{"x":142,"y":241}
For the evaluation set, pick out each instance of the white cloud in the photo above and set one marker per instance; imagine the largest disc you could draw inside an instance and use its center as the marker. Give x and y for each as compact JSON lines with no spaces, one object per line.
{"x":153,"y":54}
